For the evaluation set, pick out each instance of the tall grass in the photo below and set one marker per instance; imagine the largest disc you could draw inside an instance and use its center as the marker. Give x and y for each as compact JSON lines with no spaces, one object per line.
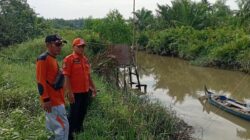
{"x":113,"y":115}
{"x":20,"y":113}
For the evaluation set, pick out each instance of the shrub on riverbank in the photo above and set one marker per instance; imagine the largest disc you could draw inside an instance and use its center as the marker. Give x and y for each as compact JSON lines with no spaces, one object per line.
{"x":224,"y":47}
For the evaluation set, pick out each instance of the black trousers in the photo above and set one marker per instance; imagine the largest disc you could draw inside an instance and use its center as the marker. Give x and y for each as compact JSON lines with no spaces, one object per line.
{"x":78,"y":112}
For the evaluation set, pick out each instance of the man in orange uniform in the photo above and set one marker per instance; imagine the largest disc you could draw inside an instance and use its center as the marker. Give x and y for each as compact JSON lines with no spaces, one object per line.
{"x":50,"y":88}
{"x":79,"y":85}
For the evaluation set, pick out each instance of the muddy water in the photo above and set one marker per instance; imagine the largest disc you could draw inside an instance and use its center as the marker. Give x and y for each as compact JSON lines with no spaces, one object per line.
{"x":178,"y":84}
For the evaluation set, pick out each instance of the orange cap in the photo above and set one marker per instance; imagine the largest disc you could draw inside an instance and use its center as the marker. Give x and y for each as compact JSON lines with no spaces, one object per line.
{"x":78,"y":42}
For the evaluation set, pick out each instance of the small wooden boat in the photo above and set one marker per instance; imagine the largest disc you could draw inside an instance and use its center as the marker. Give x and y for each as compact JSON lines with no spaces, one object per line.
{"x":242,"y":133}
{"x":229,"y":105}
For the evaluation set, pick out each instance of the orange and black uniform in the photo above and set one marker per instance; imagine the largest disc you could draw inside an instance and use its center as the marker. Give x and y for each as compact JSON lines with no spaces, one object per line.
{"x":77,"y":68}
{"x":46,"y":71}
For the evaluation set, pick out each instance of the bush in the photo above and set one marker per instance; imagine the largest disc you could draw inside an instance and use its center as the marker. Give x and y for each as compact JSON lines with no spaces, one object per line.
{"x":142,"y":40}
{"x":223,"y":47}
{"x":244,"y":59}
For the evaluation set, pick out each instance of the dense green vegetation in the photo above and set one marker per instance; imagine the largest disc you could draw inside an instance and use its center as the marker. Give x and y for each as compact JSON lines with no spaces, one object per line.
{"x":66,"y":24}
{"x":18,"y":22}
{"x":113,"y":114}
{"x":113,"y":28}
{"x":209,"y":47}
{"x":206,"y":34}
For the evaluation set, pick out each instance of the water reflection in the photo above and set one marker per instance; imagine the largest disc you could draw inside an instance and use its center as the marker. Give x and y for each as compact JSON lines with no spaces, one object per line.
{"x":176,"y":82}
{"x":244,"y":134}
{"x":183,"y":79}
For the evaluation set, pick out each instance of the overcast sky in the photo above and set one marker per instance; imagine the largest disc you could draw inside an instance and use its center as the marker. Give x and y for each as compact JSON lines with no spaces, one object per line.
{"x":71,"y":9}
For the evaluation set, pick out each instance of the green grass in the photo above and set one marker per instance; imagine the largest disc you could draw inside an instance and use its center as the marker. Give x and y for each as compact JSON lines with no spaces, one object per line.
{"x":116,"y":115}
{"x":20,"y":114}
{"x":113,"y":115}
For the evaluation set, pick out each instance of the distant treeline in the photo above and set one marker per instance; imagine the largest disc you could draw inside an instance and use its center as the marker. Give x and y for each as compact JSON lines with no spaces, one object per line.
{"x":19,"y":23}
{"x":68,"y":24}
{"x":207,"y":34}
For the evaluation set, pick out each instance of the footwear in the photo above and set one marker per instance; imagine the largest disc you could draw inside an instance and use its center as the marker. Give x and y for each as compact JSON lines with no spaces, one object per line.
{"x":51,"y":137}
{"x":71,"y":136}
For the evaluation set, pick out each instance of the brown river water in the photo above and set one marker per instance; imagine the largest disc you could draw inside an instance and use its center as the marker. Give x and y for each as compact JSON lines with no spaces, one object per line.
{"x":177,"y":84}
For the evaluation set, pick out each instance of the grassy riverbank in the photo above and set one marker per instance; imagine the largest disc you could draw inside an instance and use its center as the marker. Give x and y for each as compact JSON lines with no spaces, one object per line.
{"x":116,"y":115}
{"x":113,"y":115}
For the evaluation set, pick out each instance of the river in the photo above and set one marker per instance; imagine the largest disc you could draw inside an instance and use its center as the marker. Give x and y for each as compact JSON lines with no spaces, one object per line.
{"x":178,"y":84}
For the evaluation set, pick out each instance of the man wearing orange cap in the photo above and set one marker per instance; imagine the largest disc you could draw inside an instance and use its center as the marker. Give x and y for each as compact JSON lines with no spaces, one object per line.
{"x":50,"y":87}
{"x":79,"y":85}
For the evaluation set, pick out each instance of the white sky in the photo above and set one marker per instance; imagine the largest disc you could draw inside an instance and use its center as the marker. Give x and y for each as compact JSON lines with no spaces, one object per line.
{"x":71,"y":9}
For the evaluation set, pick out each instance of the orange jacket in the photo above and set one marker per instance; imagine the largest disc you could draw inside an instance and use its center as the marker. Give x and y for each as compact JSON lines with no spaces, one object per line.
{"x":77,"y":68}
{"x":46,"y":71}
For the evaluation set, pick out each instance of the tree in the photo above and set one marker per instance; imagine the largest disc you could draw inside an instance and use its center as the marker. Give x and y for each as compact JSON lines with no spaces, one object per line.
{"x":198,"y":15}
{"x":181,"y":13}
{"x":143,"y":19}
{"x":164,"y":16}
{"x":222,"y":14}
{"x":18,"y":22}
{"x":243,"y":14}
{"x":69,"y":24}
{"x":92,"y":24}
{"x":115,"y":29}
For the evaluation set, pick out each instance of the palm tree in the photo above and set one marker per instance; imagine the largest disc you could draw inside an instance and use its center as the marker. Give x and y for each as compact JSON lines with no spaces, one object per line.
{"x":164,"y":15}
{"x":221,"y":13}
{"x":244,"y":11}
{"x":185,"y":13}
{"x":143,"y":19}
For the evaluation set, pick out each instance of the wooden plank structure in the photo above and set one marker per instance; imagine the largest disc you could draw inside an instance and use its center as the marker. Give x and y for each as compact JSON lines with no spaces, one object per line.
{"x":125,"y":58}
